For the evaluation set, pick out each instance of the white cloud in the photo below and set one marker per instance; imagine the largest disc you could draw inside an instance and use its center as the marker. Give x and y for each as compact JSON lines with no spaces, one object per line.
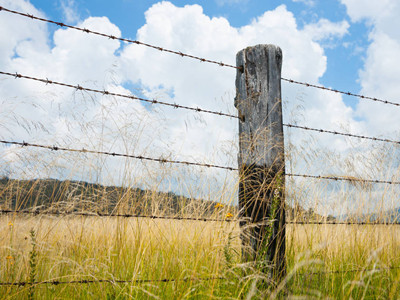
{"x":70,"y":13}
{"x":379,"y":76}
{"x":27,"y":37}
{"x":325,"y":29}
{"x":374,"y":9}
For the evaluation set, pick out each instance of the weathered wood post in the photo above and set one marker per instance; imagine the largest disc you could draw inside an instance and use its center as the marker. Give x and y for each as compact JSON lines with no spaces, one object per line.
{"x":261,"y":157}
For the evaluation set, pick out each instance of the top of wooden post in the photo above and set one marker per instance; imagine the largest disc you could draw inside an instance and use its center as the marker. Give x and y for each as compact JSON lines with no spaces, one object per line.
{"x":258,"y":100}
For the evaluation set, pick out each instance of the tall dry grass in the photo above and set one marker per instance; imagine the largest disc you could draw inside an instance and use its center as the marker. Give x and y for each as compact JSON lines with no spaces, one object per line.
{"x":336,"y":261}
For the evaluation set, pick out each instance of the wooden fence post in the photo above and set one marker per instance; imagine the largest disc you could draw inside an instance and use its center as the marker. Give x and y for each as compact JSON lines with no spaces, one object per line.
{"x":261,"y":158}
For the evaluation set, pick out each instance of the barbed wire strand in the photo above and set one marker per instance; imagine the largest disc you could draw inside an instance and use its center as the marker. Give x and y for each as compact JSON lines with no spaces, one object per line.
{"x":341,"y":92}
{"x":344,"y":178}
{"x":140,"y":157}
{"x":347,"y":271}
{"x":201,"y":59}
{"x":197,"y":109}
{"x":203,"y":219}
{"x":162,"y":160}
{"x":341,"y":223}
{"x":112,"y":37}
{"x":57,"y":282}
{"x":166,"y":280}
{"x":99,"y":214}
{"x":342,"y":133}
{"x":108,"y":93}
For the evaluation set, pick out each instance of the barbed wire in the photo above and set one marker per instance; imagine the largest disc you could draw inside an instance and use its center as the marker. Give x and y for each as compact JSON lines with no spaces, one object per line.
{"x":163,"y":160}
{"x":341,"y":223}
{"x":174,"y":105}
{"x":201,"y":59}
{"x":347,"y":271}
{"x":108,"y":93}
{"x":84,"y":281}
{"x":112,"y":37}
{"x":197,"y":109}
{"x":140,"y":157}
{"x":99,"y":214}
{"x":341,"y":92}
{"x":166,"y":280}
{"x":342,"y":133}
{"x":344,"y":178}
{"x":203,"y":219}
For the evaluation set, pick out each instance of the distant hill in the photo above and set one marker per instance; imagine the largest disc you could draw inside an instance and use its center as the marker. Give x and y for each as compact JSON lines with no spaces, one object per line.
{"x":388,"y":216}
{"x":78,"y":196}
{"x":73,"y":196}
{"x":300,"y":214}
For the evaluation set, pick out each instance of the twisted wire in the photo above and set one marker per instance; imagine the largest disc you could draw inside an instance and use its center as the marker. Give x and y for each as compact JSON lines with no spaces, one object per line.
{"x":163,"y":160}
{"x":174,"y":105}
{"x":347,"y":271}
{"x":341,"y":223}
{"x":105,"y":92}
{"x":335,"y":178}
{"x":84,"y":281}
{"x":341,"y":92}
{"x":342,"y":133}
{"x":160,"y":160}
{"x":99,"y":214}
{"x":197,"y":109}
{"x":112,"y":37}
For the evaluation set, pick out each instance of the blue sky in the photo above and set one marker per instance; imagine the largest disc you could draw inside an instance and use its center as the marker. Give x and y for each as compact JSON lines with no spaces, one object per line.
{"x":350,"y":45}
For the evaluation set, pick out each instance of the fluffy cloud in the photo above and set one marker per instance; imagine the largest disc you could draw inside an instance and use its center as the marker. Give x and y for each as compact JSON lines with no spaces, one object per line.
{"x":105,"y":123}
{"x":379,"y":77}
{"x":69,"y":11}
{"x":375,"y":9}
{"x":325,"y":29}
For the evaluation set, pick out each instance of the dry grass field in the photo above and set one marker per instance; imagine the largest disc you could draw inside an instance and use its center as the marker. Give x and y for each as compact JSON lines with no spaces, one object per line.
{"x":202,"y":259}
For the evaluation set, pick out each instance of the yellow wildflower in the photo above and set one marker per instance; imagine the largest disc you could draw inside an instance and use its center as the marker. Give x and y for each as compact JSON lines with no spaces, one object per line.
{"x":10,"y":259}
{"x":229,"y":215}
{"x":10,"y":223}
{"x":219,"y":205}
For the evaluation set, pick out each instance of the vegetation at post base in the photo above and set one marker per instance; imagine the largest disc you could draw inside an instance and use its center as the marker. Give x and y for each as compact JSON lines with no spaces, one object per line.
{"x":32,"y":265}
